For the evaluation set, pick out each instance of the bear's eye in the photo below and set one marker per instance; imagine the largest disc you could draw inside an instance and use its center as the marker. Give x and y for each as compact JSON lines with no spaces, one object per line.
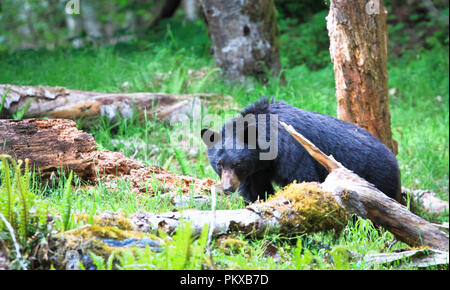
{"x":234,"y":164}
{"x":219,"y":164}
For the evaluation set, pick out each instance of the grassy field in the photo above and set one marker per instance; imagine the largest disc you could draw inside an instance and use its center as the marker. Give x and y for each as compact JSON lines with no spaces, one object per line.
{"x":419,"y":103}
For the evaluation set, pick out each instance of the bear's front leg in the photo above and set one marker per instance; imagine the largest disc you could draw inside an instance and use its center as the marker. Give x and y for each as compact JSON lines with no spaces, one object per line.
{"x":257,"y":185}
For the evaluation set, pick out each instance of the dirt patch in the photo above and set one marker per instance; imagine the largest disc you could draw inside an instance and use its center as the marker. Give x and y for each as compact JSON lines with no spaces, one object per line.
{"x":142,"y":179}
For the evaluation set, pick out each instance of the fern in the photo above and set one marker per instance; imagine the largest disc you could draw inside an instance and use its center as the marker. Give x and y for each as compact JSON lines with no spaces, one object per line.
{"x":6,"y":200}
{"x":198,"y":250}
{"x":67,"y":203}
{"x":16,"y":200}
{"x":24,"y":201}
{"x":185,"y":253}
{"x":179,"y":254}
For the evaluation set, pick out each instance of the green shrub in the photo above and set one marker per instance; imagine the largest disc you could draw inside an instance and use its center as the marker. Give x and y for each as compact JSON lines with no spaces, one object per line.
{"x":305,"y":43}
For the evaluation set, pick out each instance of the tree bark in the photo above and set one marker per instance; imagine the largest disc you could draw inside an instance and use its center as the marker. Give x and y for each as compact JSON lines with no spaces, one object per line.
{"x":358,"y":48}
{"x":161,"y":10}
{"x":245,"y":37}
{"x":50,"y":145}
{"x":59,"y":102}
{"x":308,"y":210}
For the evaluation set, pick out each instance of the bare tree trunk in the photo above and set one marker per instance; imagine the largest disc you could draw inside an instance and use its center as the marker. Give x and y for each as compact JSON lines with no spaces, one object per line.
{"x":244,"y":36}
{"x":358,"y":48}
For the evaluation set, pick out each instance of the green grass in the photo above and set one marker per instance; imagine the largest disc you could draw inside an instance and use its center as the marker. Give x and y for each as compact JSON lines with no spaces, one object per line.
{"x":420,"y":123}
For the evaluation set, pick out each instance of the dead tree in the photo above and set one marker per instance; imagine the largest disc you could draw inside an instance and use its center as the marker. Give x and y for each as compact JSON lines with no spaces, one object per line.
{"x":245,"y":37}
{"x":358,"y":48}
{"x":59,"y":102}
{"x":362,"y":198}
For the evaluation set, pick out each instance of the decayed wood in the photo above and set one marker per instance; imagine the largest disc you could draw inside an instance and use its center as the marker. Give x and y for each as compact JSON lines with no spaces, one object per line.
{"x":327,"y":161}
{"x":152,"y":179}
{"x":59,"y":102}
{"x":284,"y":213}
{"x":50,"y":145}
{"x":358,"y":49}
{"x":362,"y":198}
{"x":420,"y":258}
{"x":240,"y":220}
{"x":56,"y":144}
{"x":426,"y":199}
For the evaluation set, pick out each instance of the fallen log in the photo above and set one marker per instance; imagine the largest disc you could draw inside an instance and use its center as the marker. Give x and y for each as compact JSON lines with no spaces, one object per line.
{"x":50,"y":145}
{"x":59,"y":102}
{"x":426,"y":200}
{"x":362,"y":198}
{"x":299,"y":208}
{"x":420,"y":258}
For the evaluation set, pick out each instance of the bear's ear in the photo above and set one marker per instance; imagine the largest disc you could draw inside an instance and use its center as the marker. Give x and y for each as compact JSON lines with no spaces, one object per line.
{"x":210,"y":137}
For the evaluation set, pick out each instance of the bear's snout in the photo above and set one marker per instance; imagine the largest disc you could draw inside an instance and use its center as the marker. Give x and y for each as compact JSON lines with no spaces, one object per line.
{"x":229,"y":180}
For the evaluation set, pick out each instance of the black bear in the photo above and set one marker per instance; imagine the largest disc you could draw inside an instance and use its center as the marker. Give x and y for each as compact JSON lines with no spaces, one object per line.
{"x":253,"y":150}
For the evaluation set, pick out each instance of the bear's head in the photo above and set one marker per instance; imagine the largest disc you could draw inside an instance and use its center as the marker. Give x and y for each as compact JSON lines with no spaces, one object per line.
{"x":235,"y":151}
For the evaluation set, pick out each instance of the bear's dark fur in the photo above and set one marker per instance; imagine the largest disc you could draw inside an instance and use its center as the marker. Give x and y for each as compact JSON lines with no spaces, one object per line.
{"x":354,"y":147}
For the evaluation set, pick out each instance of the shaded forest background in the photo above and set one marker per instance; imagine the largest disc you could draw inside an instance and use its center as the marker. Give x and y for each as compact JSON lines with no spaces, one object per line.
{"x":413,"y":24}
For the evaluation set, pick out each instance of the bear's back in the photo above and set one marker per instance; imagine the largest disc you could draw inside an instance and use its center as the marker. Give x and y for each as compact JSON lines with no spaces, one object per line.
{"x":356,"y":148}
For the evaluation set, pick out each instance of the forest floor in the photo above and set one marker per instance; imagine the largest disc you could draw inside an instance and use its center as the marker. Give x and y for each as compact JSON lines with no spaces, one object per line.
{"x":419,"y":102}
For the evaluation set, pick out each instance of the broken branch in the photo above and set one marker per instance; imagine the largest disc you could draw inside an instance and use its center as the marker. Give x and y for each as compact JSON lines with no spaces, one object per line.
{"x":362,"y":198}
